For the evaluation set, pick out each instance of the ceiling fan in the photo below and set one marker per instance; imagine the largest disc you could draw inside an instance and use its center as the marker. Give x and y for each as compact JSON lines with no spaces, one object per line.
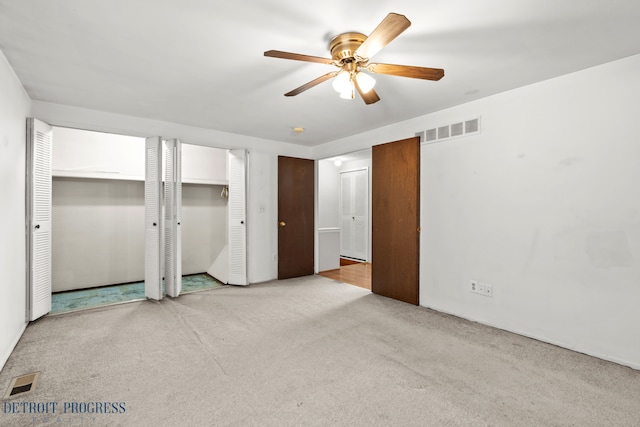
{"x":351,"y":51}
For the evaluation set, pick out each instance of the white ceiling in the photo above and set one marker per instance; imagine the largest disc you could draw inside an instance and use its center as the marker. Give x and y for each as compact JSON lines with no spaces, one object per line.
{"x":201,"y":63}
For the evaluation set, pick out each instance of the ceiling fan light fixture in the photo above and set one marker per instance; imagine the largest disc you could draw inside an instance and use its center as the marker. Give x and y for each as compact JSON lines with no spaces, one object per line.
{"x":350,"y":93}
{"x":342,"y":82}
{"x":351,"y":52}
{"x":365,"y":82}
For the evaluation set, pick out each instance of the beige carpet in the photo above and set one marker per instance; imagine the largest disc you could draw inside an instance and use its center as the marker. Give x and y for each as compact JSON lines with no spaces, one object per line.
{"x":302,"y":352}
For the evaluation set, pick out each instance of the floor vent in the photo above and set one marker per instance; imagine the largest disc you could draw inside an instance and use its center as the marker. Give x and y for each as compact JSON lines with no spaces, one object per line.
{"x":22,"y":384}
{"x":450,"y":131}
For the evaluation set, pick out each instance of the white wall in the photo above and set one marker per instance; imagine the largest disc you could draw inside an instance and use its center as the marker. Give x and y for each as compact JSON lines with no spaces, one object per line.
{"x":204,"y":165}
{"x":97,"y":232}
{"x":15,"y":107}
{"x":542,"y":204}
{"x":328,"y":227}
{"x":82,"y":153}
{"x":204,"y":226}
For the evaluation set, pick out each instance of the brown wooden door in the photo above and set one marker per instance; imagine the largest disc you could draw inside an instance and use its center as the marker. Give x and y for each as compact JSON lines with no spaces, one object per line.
{"x":395,"y":219}
{"x":295,"y":217}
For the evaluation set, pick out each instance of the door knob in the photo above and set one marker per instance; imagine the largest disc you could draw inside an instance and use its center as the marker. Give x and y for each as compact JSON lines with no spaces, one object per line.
{"x":282,"y":223}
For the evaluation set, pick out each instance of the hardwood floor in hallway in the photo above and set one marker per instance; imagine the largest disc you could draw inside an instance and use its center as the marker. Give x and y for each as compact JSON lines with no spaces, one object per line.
{"x":358,"y":274}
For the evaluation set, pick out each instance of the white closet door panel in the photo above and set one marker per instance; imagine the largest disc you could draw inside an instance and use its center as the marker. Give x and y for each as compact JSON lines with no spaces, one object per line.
{"x":354,"y":209}
{"x":345,"y":235}
{"x":169,"y":195}
{"x":39,"y":147}
{"x":361,"y":190}
{"x":153,"y":210}
{"x":360,"y":239}
{"x":237,"y":233}
{"x":346,"y":221}
{"x":345,"y":194}
{"x":172,"y":210}
{"x":178,"y":210}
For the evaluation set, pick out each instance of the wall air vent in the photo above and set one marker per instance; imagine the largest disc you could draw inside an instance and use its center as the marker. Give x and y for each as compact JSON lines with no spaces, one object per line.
{"x":431,"y":135}
{"x":443,"y":132}
{"x":453,"y":130}
{"x":457,"y":129}
{"x":471,"y":126}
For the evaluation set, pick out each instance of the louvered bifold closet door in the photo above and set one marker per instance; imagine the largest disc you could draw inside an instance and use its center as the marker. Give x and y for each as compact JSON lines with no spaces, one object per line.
{"x":153,"y":216}
{"x":237,"y":217}
{"x":38,"y":188}
{"x":172,"y":219}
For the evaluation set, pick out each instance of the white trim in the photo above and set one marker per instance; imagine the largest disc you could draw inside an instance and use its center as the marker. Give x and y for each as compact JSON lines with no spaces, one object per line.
{"x":12,"y":347}
{"x":355,"y":170}
{"x":329,"y":230}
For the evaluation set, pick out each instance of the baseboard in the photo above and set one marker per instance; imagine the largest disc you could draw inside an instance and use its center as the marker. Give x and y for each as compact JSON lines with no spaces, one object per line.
{"x":5,"y":357}
{"x":350,"y":261}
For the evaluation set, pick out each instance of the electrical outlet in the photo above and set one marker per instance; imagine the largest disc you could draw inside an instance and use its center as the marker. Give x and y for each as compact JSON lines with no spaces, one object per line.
{"x":488,"y":290}
{"x":473,"y":286}
{"x":481,"y":288}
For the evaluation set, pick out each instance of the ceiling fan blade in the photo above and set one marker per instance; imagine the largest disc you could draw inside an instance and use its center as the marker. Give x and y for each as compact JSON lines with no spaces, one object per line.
{"x":297,"y":57}
{"x":370,"y":97}
{"x":407,"y":71}
{"x":311,"y":84}
{"x":391,"y":27}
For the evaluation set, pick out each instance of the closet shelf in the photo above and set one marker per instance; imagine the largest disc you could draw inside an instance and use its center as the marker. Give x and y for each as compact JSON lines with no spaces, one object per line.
{"x":58,"y":173}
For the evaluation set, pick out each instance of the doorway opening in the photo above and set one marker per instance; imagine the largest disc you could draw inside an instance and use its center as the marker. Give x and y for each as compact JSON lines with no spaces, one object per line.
{"x":344,"y":219}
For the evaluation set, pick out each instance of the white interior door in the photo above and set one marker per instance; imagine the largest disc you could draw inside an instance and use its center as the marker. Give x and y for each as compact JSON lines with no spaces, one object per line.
{"x":354,"y":213}
{"x":173,"y":218}
{"x":153,"y":218}
{"x":237,"y":233}
{"x":39,"y":147}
